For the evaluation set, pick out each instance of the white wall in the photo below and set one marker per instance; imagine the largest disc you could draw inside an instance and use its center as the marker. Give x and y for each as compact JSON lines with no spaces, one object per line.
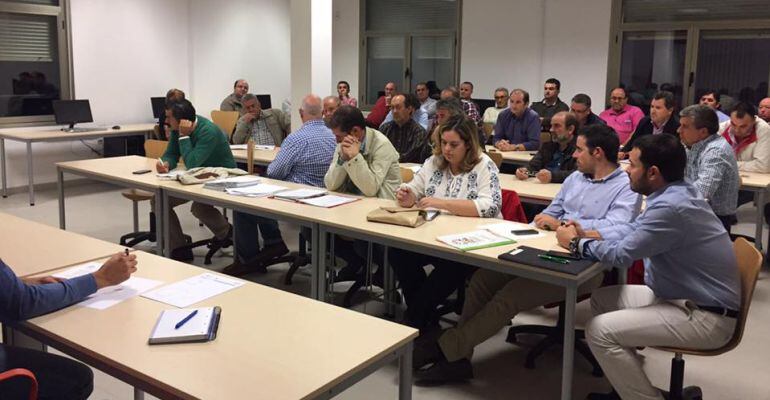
{"x":235,"y":39}
{"x":346,"y":45}
{"x":520,"y":43}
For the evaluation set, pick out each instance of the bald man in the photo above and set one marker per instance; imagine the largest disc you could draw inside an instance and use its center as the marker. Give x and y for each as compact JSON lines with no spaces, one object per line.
{"x":304,"y":157}
{"x":330,"y":104}
{"x":764,"y":109}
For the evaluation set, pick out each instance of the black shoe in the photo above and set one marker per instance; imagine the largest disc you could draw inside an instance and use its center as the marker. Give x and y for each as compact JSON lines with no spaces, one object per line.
{"x":445,"y":372}
{"x":270,"y":252}
{"x":425,"y":353}
{"x":227,"y":241}
{"x":238,"y":268}
{"x":183,"y":254}
{"x":613,"y":395}
{"x":347,"y":274}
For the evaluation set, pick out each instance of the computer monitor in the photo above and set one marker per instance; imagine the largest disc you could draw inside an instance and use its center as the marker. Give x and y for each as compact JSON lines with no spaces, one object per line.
{"x":158,"y":106}
{"x":264,"y":101}
{"x":72,"y":112}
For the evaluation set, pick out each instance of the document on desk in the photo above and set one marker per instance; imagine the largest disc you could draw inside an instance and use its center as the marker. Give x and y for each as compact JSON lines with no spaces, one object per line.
{"x":328,"y":201}
{"x":256,"y":147}
{"x":171,"y":175}
{"x":193,"y":290}
{"x":297,"y":194}
{"x":474,"y":240}
{"x":109,"y":296}
{"x":260,"y":190}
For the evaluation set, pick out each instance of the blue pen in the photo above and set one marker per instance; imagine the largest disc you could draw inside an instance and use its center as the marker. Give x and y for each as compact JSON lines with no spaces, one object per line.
{"x":187,"y":318}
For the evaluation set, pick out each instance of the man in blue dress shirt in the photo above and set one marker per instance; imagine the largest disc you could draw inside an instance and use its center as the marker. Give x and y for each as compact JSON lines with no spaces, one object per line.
{"x":304,"y":158}
{"x":691,"y":294}
{"x":20,"y":299}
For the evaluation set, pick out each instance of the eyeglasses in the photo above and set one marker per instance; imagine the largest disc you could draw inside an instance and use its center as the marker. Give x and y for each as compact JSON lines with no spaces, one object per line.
{"x":617,"y":98}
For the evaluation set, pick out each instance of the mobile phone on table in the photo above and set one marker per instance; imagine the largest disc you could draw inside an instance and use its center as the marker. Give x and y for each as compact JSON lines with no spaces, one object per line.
{"x":142,"y":171}
{"x":524,"y":232}
{"x":430,"y":215}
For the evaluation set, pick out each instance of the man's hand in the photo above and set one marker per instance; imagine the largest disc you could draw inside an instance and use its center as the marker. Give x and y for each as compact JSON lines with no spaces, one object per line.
{"x":544,"y":176}
{"x":502,"y":144}
{"x":248,"y":117}
{"x":431,"y":202}
{"x":41,"y":280}
{"x":405,"y":197}
{"x":621,"y":155}
{"x":522,"y":173}
{"x":185,"y":127}
{"x":578,"y":228}
{"x":387,"y":100}
{"x":350,"y":147}
{"x":565,"y":234}
{"x":547,"y":222}
{"x":115,"y":270}
{"x":161,"y":167}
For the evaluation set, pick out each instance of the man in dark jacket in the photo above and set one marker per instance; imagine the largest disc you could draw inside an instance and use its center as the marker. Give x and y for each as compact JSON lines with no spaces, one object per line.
{"x":554,"y":162}
{"x":661,"y":120}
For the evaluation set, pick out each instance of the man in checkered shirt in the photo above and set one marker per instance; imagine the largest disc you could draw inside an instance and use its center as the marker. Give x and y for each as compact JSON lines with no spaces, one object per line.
{"x":304,"y":158}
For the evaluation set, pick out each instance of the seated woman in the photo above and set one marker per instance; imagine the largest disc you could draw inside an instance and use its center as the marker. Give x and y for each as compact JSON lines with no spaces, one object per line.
{"x":457,"y":178}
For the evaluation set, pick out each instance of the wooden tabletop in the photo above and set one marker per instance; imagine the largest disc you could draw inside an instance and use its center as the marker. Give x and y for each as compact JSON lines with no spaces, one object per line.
{"x":261,"y":157}
{"x":270,"y":344}
{"x":30,"y":248}
{"x":55,"y":134}
{"x":754,"y":180}
{"x":530,"y":189}
{"x":514,"y":157}
{"x":118,"y":170}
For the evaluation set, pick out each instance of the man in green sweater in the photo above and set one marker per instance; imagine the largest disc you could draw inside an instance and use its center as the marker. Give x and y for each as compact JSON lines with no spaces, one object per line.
{"x":199,"y":143}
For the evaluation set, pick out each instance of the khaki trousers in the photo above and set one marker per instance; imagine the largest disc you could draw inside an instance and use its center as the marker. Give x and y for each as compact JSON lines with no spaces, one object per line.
{"x":209,"y":215}
{"x":630,"y":316}
{"x":491,"y":300}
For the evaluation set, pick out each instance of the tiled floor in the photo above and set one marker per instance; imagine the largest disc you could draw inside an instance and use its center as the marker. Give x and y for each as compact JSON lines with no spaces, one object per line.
{"x":100,"y":211}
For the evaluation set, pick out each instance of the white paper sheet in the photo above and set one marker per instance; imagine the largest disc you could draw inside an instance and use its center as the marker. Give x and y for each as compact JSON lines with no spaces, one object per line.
{"x":109,"y":296}
{"x":328,"y":201}
{"x":193,"y":290}
{"x":504,"y":229}
{"x":297,"y":194}
{"x":261,"y":190}
{"x":256,"y":147}
{"x":171,"y":175}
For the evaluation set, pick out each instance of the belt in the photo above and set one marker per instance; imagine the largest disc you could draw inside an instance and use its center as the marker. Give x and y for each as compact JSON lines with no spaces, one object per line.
{"x":725,"y":312}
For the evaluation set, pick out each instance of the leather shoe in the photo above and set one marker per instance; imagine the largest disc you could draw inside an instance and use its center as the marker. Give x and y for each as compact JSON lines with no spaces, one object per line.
{"x":183,"y":254}
{"x":445,"y":372}
{"x":613,"y":395}
{"x":426,"y":353}
{"x":238,"y":268}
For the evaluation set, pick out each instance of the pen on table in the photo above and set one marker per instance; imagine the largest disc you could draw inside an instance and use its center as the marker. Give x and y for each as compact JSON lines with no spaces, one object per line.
{"x":554,"y":259}
{"x":187,"y":318}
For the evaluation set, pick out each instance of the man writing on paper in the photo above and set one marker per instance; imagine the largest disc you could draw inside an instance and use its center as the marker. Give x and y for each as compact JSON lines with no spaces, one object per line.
{"x":304,"y":157}
{"x":20,"y":299}
{"x":199,"y":143}
{"x":265,"y":127}
{"x":692,"y":286}
{"x":597,"y":195}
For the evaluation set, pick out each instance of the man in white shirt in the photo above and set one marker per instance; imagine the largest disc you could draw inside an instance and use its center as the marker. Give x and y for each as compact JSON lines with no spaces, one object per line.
{"x":501,"y":102}
{"x":427,"y":104}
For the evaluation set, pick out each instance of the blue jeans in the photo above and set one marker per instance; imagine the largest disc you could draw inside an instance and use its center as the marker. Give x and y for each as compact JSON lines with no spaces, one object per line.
{"x":246,"y":230}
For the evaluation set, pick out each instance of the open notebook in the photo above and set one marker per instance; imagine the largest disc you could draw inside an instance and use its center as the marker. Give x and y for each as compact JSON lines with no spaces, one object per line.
{"x":202,"y":327}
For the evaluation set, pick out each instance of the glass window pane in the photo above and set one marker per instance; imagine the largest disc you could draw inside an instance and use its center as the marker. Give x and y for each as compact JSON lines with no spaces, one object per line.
{"x":735,"y":63}
{"x":29,"y":64}
{"x":384,"y":63}
{"x":432,"y":60}
{"x":693,"y":10}
{"x":406,"y":15}
{"x":652,"y":61}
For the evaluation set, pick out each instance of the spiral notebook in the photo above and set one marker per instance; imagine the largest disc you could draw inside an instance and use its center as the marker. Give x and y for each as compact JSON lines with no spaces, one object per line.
{"x":201,"y":327}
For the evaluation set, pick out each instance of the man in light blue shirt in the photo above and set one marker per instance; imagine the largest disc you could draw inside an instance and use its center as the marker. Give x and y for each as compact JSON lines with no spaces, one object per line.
{"x":304,"y":158}
{"x":692,"y":289}
{"x":419,"y":115}
{"x":598,"y":195}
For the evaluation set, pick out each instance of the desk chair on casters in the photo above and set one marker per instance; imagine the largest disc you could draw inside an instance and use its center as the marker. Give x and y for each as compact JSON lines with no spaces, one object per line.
{"x":152,"y":149}
{"x":22,"y":373}
{"x":749,"y":263}
{"x":226,"y":121}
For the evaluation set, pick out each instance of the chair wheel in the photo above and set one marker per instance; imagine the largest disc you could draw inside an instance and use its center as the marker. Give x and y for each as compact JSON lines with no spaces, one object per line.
{"x":692,"y":393}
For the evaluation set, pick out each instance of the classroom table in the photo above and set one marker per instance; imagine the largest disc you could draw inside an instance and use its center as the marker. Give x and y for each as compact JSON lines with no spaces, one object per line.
{"x":261,"y":157}
{"x":270,"y":343}
{"x":757,"y":183}
{"x":29,"y":136}
{"x":116,"y":171}
{"x":518,"y":158}
{"x":30,"y":248}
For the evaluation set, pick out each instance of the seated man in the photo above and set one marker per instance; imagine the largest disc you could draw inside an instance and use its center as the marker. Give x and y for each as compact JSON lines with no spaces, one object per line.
{"x":304,"y":158}
{"x":764,"y":109}
{"x":427,"y":105}
{"x":451,"y":92}
{"x":418,"y":115}
{"x":554,"y":161}
{"x":711,"y":165}
{"x":661,"y":120}
{"x":171,"y":95}
{"x":265,"y":127}
{"x":381,"y":107}
{"x":597,"y":195}
{"x":711,"y":98}
{"x":518,"y":127}
{"x":501,"y":102}
{"x":581,"y":107}
{"x":466,"y":94}
{"x":233,"y":101}
{"x":621,"y":116}
{"x":551,"y":103}
{"x":57,"y":377}
{"x":407,"y":136}
{"x":199,"y":143}
{"x":331,"y":104}
{"x":692,"y":285}
{"x":749,"y":137}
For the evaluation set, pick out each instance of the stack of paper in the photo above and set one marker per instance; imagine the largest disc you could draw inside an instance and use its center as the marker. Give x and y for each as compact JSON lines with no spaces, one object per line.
{"x":260,"y":190}
{"x":193,"y":290}
{"x":171,"y":175}
{"x":298,"y":194}
{"x":232,"y":182}
{"x":256,"y":147}
{"x":328,"y":201}
{"x":474,"y":240}
{"x":108,"y":296}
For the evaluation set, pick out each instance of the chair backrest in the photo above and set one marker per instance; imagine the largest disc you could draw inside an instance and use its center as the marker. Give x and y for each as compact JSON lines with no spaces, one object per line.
{"x":154,"y":148}
{"x":749,"y":263}
{"x":22,"y":373}
{"x":225,"y":120}
{"x":488,"y":128}
{"x":250,"y":156}
{"x":496,"y":157}
{"x":545,"y":137}
{"x":406,"y":175}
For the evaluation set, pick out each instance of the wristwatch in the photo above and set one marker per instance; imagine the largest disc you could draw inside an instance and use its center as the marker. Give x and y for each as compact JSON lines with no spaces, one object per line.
{"x":574,"y":245}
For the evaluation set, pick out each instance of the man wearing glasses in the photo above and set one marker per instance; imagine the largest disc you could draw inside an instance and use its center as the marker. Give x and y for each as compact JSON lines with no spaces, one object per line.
{"x":621,"y":116}
{"x":501,"y":102}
